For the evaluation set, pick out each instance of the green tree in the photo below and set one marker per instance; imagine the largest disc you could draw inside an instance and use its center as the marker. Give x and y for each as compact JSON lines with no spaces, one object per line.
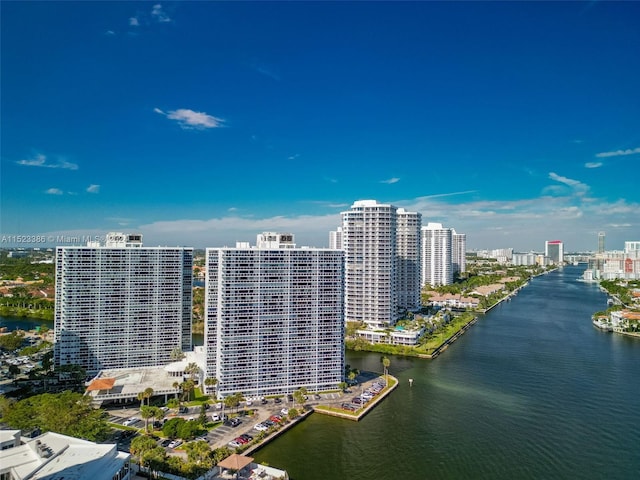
{"x":188,"y":387}
{"x":211,"y":382}
{"x":299,"y":396}
{"x":158,"y":413}
{"x":193,"y":370}
{"x":141,"y":448}
{"x":170,"y":428}
{"x":202,"y":418}
{"x":176,"y":354}
{"x":199,"y":453}
{"x":386,"y":363}
{"x":342,"y":386}
{"x":67,"y":413}
{"x":293,"y":413}
{"x":146,"y":412}
{"x":12,"y":341}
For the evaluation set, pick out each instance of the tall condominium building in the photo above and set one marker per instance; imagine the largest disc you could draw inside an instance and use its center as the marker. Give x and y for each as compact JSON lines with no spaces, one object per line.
{"x":369,"y":244}
{"x":601,"y":238}
{"x":274,"y":318}
{"x":458,"y":252}
{"x":554,"y":250}
{"x":381,"y":246}
{"x":408,"y":259}
{"x":121,"y":304}
{"x":437,"y":266}
{"x":335,"y":239}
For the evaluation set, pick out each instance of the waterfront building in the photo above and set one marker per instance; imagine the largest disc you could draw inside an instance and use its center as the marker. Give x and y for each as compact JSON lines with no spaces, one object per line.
{"x":335,"y":239}
{"x":369,"y":243}
{"x":554,"y":250}
{"x":121,"y":305}
{"x":615,"y":264}
{"x":458,"y":252}
{"x":274,"y":318}
{"x":502,"y":255}
{"x":527,"y":259}
{"x":437,"y":266}
{"x":408,"y":246}
{"x":382,"y":248}
{"x":55,"y":456}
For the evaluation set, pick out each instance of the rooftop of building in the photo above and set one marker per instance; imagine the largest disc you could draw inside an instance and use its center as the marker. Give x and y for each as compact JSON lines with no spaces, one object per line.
{"x":53,"y":456}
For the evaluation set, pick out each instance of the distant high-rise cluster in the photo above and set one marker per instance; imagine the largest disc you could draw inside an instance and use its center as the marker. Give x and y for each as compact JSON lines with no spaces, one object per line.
{"x":615,"y":264}
{"x":121,"y":304}
{"x":443,"y":254}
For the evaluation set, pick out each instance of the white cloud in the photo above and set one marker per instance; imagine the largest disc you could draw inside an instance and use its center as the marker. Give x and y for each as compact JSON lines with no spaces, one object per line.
{"x":189,"y":119}
{"x":93,"y":188}
{"x":134,"y":22}
{"x":53,"y":191}
{"x":578,"y":187}
{"x":617,"y":153}
{"x":41,"y":161}
{"x":109,"y":32}
{"x":158,"y":14}
{"x":593,"y":164}
{"x":390,"y":180}
{"x":294,"y":157}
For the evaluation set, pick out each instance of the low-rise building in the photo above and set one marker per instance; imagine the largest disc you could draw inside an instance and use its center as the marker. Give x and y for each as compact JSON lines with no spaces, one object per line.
{"x":55,"y":456}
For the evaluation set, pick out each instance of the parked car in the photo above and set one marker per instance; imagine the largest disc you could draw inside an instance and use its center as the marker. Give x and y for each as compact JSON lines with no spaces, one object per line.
{"x":261,"y":427}
{"x":130,"y":421}
{"x":215,"y":417}
{"x":277,"y":400}
{"x":175,"y":444}
{"x":285,"y":411}
{"x":233,"y":444}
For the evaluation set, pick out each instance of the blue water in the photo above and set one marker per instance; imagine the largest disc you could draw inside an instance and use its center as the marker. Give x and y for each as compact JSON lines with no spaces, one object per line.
{"x":531,"y":391}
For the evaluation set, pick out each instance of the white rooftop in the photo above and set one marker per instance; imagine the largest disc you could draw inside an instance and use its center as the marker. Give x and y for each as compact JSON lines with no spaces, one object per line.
{"x":52,"y":456}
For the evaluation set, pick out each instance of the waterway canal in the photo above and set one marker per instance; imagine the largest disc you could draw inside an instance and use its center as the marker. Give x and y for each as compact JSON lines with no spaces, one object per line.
{"x":531,"y":391}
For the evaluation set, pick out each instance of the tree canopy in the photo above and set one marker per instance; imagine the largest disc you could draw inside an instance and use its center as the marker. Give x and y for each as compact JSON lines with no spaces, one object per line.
{"x":67,"y":413}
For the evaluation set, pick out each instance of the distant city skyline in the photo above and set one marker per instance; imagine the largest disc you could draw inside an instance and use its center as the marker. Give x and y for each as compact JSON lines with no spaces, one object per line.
{"x":205,"y":123}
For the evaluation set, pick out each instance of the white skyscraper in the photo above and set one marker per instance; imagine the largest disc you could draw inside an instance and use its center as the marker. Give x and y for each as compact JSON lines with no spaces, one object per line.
{"x":335,"y":239}
{"x":408,"y":259}
{"x":458,"y":252}
{"x":382,"y":269}
{"x":436,"y":255}
{"x":275,"y":318}
{"x":122,"y":305}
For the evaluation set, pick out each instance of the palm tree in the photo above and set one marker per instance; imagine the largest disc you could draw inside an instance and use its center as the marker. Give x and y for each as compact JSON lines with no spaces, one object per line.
{"x":176,"y":385}
{"x":146,"y":412}
{"x":386,"y":363}
{"x":211,"y":382}
{"x":188,"y":387}
{"x":148,"y":393}
{"x":192,"y":369}
{"x":158,"y":413}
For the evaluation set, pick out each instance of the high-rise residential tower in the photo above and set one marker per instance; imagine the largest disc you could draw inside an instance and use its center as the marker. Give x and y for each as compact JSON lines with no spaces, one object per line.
{"x":121,"y":304}
{"x":458,"y":252}
{"x":335,"y":239}
{"x":381,"y":246}
{"x":437,"y":266}
{"x":601,"y":238}
{"x":554,"y":250}
{"x":274,"y":317}
{"x":369,"y":243}
{"x":408,"y":259}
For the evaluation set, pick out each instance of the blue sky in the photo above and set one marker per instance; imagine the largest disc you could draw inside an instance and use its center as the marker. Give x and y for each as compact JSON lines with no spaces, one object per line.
{"x":203,"y":123}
